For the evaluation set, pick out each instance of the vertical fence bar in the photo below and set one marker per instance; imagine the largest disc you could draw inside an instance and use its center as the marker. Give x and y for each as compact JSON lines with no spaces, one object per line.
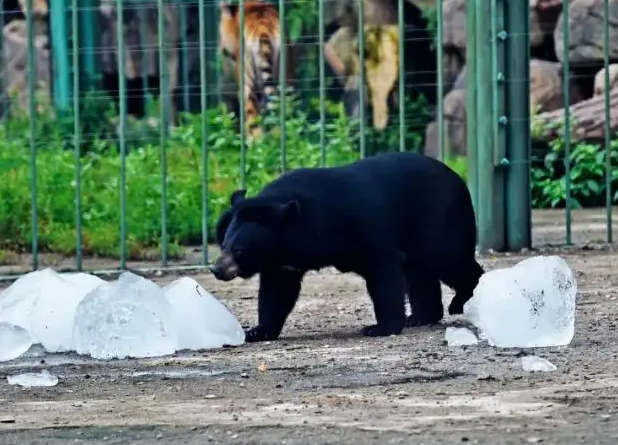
{"x":241,"y":93}
{"x":32,"y":127}
{"x":566,"y":93}
{"x":185,"y":56}
{"x":122,"y":99}
{"x":163,"y":96}
{"x":204,"y":105}
{"x":490,"y":210}
{"x":471,"y":97}
{"x":608,"y":116}
{"x":77,"y":132}
{"x":60,"y":50}
{"x":215,"y":65}
{"x":282,"y":84}
{"x":361,"y":74}
{"x":517,"y":67}
{"x":88,"y":31}
{"x":4,"y":103}
{"x":440,"y":66}
{"x":321,"y":38}
{"x":143,"y":20}
{"x":401,"y":23}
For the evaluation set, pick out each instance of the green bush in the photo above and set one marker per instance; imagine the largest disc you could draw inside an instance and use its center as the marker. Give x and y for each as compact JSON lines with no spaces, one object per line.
{"x":101,"y":166}
{"x":588,"y":182}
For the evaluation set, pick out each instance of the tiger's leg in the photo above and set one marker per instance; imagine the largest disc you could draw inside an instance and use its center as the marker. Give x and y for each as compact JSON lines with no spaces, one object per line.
{"x":251,"y":113}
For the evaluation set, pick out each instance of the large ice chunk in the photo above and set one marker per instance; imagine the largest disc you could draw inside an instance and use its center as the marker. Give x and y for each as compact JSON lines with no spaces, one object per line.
{"x":14,"y":341}
{"x":202,"y":322}
{"x":129,"y":317}
{"x":531,"y":304}
{"x":44,"y":302}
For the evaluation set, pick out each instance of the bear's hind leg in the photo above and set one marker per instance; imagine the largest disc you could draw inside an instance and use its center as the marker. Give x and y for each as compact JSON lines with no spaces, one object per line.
{"x":425,"y":297}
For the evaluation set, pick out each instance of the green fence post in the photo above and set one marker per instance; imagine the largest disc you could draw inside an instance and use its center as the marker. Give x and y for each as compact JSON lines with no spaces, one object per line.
{"x":471,"y":116}
{"x":163,"y":125}
{"x":440,"y":86}
{"x":518,"y":199}
{"x":60,"y":50}
{"x":122,"y":125}
{"x":490,"y":194}
{"x":362,"y":84}
{"x":32,"y":102}
{"x":204,"y":105}
{"x":88,"y":42}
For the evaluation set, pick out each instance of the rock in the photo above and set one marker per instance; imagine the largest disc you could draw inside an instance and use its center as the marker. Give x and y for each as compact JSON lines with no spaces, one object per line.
{"x":588,"y":120}
{"x":7,"y":419}
{"x":545,"y":93}
{"x":599,"y":79}
{"x":586,"y":31}
{"x":16,"y":65}
{"x":454,"y":127}
{"x":546,"y":86}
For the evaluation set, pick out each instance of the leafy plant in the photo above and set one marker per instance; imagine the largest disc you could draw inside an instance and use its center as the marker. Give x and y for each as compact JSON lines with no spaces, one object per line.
{"x":587,"y":176}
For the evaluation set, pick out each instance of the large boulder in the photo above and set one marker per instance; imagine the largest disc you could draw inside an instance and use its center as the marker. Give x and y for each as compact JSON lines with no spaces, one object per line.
{"x":15,"y":58}
{"x":585,"y":40}
{"x":545,"y":95}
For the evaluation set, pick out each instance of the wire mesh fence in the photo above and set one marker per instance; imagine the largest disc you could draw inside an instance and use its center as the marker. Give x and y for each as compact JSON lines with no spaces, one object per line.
{"x":127,"y":123}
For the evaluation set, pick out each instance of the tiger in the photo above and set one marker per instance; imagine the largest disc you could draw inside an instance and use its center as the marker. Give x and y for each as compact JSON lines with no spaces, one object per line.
{"x":262,"y":55}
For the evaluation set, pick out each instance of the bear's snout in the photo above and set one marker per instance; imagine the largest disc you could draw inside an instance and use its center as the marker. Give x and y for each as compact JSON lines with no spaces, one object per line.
{"x":225,"y":268}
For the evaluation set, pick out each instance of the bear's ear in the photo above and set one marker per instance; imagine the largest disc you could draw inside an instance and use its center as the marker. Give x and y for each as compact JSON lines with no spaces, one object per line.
{"x":237,"y":196}
{"x":228,"y":9}
{"x":290,"y":210}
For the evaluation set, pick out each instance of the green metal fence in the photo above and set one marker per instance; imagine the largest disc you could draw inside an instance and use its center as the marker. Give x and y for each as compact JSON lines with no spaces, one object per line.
{"x":498,"y":116}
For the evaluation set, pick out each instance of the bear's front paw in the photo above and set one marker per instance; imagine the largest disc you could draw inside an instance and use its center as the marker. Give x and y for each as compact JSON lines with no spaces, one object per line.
{"x":381,"y":331}
{"x":258,"y":334}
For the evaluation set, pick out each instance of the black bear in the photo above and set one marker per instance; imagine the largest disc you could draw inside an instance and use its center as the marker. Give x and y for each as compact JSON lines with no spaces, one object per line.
{"x":402,"y":221}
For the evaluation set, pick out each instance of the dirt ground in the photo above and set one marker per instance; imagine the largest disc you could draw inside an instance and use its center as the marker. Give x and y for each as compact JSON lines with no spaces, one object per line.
{"x":322,"y":383}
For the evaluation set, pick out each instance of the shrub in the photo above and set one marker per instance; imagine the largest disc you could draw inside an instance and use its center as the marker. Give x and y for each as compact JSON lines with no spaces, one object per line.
{"x":588,"y":186}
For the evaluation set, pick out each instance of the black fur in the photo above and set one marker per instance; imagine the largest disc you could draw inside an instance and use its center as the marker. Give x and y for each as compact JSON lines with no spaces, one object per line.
{"x":402,"y":221}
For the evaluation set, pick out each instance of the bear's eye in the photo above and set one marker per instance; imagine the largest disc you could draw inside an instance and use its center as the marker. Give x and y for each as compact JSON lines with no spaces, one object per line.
{"x":237,"y":251}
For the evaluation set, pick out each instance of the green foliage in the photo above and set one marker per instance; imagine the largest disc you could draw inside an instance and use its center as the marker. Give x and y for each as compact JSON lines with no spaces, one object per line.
{"x":587,"y":177}
{"x":101,"y":184}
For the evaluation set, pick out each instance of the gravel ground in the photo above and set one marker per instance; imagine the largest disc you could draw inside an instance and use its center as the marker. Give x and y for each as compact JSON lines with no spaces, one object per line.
{"x":322,"y":383}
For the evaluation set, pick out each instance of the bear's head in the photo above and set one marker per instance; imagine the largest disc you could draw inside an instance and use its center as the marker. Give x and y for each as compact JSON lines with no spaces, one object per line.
{"x":250,"y":234}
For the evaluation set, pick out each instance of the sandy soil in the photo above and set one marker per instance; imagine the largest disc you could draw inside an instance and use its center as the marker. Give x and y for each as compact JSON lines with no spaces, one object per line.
{"x":324,"y":384}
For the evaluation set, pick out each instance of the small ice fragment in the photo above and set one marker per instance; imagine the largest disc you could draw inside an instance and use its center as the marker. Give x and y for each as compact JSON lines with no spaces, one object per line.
{"x":460,"y":337}
{"x":202,"y":321}
{"x":14,"y":341}
{"x":532,"y":363}
{"x":32,"y":379}
{"x":531,"y":304}
{"x":129,"y":317}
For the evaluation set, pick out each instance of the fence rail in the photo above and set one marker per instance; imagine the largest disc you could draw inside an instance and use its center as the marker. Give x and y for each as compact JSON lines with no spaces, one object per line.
{"x":175,"y":154}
